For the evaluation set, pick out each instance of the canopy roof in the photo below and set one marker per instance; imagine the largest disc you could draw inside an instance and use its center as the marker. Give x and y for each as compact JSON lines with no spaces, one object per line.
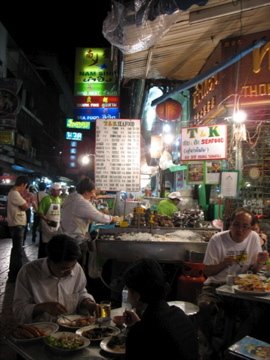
{"x":180,"y":51}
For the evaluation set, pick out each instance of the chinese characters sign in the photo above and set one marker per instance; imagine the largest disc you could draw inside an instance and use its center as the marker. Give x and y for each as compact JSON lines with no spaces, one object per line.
{"x":118,"y":155}
{"x":94,"y":73}
{"x":204,"y":143}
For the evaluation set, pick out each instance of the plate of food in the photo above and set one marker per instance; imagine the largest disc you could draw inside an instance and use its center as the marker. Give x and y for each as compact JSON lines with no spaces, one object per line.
{"x":252,"y":290}
{"x":65,"y":341}
{"x":115,"y":344}
{"x":34,"y":331}
{"x":97,"y":332}
{"x":75,"y":321}
{"x":251,"y":277}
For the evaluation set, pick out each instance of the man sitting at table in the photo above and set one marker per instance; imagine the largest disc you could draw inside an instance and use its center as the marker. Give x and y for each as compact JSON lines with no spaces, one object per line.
{"x":233,"y":251}
{"x":48,"y":287}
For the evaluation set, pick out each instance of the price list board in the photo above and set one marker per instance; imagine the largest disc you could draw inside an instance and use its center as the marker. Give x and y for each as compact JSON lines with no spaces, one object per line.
{"x":118,"y":155}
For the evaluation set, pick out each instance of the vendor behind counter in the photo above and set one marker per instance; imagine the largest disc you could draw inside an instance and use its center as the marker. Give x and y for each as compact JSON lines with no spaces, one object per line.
{"x":169,"y":206}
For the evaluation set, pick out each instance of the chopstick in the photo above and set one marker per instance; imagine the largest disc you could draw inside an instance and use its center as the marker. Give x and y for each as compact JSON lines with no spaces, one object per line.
{"x":66,"y":317}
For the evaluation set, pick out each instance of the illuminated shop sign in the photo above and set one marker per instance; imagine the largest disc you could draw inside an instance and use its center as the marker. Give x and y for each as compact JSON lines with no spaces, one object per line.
{"x":97,"y":101}
{"x":98,"y":113}
{"x":93,"y":65}
{"x":82,"y":125}
{"x":74,"y":136}
{"x":96,"y":89}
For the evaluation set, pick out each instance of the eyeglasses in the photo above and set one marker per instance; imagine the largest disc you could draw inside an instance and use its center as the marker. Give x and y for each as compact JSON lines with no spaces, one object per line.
{"x":241,"y":226}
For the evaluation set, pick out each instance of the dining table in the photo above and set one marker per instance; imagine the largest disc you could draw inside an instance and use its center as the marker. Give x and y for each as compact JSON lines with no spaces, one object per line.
{"x":230,"y":291}
{"x":39,"y":350}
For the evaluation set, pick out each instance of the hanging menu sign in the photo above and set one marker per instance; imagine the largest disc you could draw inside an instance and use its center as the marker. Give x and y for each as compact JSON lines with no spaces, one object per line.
{"x":118,"y":155}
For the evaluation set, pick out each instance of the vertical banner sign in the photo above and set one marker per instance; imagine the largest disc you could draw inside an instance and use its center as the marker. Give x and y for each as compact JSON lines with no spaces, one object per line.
{"x":118,"y":155}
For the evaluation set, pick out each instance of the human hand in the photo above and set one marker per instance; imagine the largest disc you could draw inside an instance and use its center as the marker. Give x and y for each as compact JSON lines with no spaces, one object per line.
{"x":53,"y":308}
{"x":92,"y":307}
{"x":262,"y":257}
{"x":130,"y":317}
{"x":229,"y":260}
{"x":263,"y":238}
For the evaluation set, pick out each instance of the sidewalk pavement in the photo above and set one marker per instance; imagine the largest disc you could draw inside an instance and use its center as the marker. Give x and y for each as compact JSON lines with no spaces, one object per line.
{"x":7,"y":290}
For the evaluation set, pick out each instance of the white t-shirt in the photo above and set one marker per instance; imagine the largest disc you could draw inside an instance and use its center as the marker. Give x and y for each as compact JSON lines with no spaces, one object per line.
{"x":35,"y":284}
{"x":221,"y":245}
{"x":77,"y":213}
{"x":15,"y":216}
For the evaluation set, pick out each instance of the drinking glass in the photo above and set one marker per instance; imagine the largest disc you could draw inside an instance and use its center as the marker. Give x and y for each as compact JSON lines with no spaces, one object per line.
{"x":105,"y":309}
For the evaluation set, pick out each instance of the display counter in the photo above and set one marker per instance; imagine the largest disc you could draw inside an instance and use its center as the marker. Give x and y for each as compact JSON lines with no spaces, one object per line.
{"x":162,"y":244}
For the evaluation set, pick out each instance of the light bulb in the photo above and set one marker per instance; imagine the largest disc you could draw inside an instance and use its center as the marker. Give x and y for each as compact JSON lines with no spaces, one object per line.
{"x":239,"y":116}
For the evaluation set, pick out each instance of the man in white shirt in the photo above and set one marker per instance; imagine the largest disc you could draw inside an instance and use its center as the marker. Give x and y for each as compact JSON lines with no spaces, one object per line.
{"x":233,"y":251}
{"x":48,"y":287}
{"x":78,"y":212}
{"x":16,"y":218}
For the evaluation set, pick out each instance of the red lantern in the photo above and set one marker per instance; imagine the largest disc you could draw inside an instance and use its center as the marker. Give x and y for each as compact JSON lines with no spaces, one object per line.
{"x":169,"y":110}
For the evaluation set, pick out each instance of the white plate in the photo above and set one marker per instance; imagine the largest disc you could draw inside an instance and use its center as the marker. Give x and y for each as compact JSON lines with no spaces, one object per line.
{"x":104,"y":344}
{"x":47,"y":327}
{"x":99,"y":332}
{"x":258,"y":293}
{"x":67,"y":335}
{"x":66,"y":321}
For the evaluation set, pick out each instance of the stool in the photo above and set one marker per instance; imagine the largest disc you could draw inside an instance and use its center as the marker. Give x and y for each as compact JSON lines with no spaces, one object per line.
{"x":189,"y":284}
{"x":187,"y":307}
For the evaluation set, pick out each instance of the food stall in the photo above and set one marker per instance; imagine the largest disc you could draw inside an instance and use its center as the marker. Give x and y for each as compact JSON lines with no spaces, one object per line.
{"x":163,"y":244}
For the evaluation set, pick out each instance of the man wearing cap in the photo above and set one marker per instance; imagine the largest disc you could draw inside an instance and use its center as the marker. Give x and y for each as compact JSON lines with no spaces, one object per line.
{"x":49,"y":213}
{"x":170,"y":205}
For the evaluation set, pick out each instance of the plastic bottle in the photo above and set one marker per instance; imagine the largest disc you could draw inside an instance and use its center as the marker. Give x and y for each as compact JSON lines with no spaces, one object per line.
{"x":125,"y":303}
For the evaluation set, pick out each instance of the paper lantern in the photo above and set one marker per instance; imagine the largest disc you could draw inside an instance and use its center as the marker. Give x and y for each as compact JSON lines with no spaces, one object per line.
{"x":169,"y":110}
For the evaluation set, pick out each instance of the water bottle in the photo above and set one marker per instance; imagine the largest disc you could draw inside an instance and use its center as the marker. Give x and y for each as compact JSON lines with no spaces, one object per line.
{"x":125,"y":303}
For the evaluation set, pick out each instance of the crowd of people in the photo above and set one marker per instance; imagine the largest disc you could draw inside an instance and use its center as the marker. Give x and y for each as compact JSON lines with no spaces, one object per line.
{"x":56,"y":283}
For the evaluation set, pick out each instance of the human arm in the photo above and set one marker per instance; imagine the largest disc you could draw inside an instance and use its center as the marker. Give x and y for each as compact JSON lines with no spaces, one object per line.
{"x":25,"y":206}
{"x":263,"y":239}
{"x":211,"y":270}
{"x":262,"y":258}
{"x":53,"y":308}
{"x":43,"y":207}
{"x":17,"y":199}
{"x":87,"y":210}
{"x":86,"y":301}
{"x":91,"y":306}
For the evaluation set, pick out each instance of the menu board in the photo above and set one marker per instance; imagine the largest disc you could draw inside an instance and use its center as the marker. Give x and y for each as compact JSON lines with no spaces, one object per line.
{"x":118,"y":155}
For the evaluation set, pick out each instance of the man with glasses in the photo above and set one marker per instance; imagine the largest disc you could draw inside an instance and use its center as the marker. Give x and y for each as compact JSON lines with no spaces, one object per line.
{"x":51,"y":286}
{"x":233,"y":251}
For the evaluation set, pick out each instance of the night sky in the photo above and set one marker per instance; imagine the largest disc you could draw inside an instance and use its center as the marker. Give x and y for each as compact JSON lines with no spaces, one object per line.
{"x":57,"y":31}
